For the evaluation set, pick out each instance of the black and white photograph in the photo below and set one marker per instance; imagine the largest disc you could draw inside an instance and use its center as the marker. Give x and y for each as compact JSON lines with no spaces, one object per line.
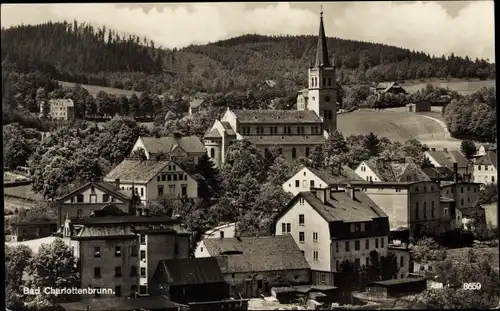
{"x":250,"y":156}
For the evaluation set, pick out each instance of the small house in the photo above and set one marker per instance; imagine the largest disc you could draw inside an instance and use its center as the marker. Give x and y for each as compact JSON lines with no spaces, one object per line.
{"x":419,"y":106}
{"x":34,"y":229}
{"x":390,"y":87}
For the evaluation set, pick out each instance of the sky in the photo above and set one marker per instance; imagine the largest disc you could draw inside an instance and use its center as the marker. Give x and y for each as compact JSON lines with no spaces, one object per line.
{"x":435,"y":27}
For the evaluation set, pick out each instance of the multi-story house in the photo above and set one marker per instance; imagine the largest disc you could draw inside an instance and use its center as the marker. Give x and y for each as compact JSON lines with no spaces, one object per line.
{"x":332,"y":226}
{"x":307,"y":178}
{"x":448,"y":159}
{"x":195,"y":106}
{"x":59,"y":109}
{"x":124,"y":251}
{"x":378,"y":169}
{"x":91,"y":198}
{"x":170,"y":147}
{"x":297,"y":132}
{"x":411,"y":204}
{"x":464,"y":196}
{"x":152,"y":179}
{"x":485,"y":168}
{"x":404,"y":259}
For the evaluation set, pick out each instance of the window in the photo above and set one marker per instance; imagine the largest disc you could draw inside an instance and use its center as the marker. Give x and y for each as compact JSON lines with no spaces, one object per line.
{"x":92,"y":189}
{"x":171,"y":189}
{"x":79,"y":213}
{"x":175,"y":177}
{"x":143,"y":239}
{"x":462,"y":201}
{"x":303,"y":253}
{"x":181,"y":176}
{"x":97,"y":272}
{"x":142,"y":192}
{"x":311,"y":184}
{"x":357,"y":227}
{"x":401,"y":262}
{"x":294,"y":153}
{"x":169,"y":177}
{"x":79,"y":198}
{"x":118,"y":271}
{"x":297,"y":183}
{"x":425,"y":210}
{"x":97,"y":252}
{"x":315,"y":237}
{"x":143,"y":290}
{"x":259,"y":284}
{"x":367,"y":244}
{"x":184,"y":190}
{"x":212,"y":152}
{"x":133,"y":271}
{"x":143,"y":271}
{"x":283,"y":227}
{"x":302,"y":238}
{"x":158,"y":178}
{"x":105,"y":197}
{"x":337,"y":247}
{"x":376,"y":243}
{"x":301,"y":201}
{"x":288,"y":228}
{"x":382,"y":242}
{"x":446,"y":211}
{"x":143,"y":255}
{"x":367,"y":261}
{"x":160,"y":191}
{"x":118,"y":251}
{"x":461,"y":189}
{"x":416,"y":210}
{"x":118,"y":291}
{"x":304,"y":184}
{"x":315,"y":255}
{"x":356,"y":245}
{"x":337,"y":265}
{"x":347,"y":246}
{"x":479,"y":167}
{"x":221,"y":234}
{"x":301,"y":219}
{"x":492,"y":179}
{"x":486,"y":167}
{"x":307,"y":152}
{"x":357,"y":263}
{"x":352,"y":227}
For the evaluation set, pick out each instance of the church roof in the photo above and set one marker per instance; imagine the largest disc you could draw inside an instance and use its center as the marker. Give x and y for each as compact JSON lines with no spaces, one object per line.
{"x":287,"y":140}
{"x":155,"y":145}
{"x":277,"y":116}
{"x":214,"y":133}
{"x":322,"y":59}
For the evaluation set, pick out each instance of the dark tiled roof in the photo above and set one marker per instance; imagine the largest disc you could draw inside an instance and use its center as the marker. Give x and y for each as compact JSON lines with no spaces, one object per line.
{"x":195,"y":103}
{"x":447,"y":158}
{"x":214,"y":133}
{"x":490,"y":158}
{"x":393,"y":170}
{"x":395,"y":282}
{"x":287,"y":140}
{"x":443,"y":172}
{"x":111,"y":188}
{"x":136,"y":170}
{"x":121,"y":304}
{"x":191,"y":144}
{"x":340,"y":207}
{"x":252,"y":254}
{"x":346,"y":174}
{"x":189,"y":271}
{"x":228,"y":128}
{"x":277,"y":116}
{"x":129,"y":219}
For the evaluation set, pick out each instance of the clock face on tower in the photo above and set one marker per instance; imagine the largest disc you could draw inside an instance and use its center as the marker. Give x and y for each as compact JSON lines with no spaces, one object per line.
{"x":327,"y":99}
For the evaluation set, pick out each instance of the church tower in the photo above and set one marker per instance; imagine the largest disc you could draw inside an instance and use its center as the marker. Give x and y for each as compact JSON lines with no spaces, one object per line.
{"x":323,"y":84}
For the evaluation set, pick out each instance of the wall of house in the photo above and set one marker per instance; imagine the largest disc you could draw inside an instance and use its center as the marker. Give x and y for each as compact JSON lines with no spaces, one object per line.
{"x":228,"y":232}
{"x":140,"y":145}
{"x":107,"y":263}
{"x":394,"y":202}
{"x":340,"y":254}
{"x":253,"y":284}
{"x":95,"y":196}
{"x":287,"y":150}
{"x":485,"y":174}
{"x":214,"y":145}
{"x":423,"y":197}
{"x":306,"y":179}
{"x":365,"y":172}
{"x":172,"y":187}
{"x":403,"y":257}
{"x":313,"y":223}
{"x":252,"y":129}
{"x":465,"y":195}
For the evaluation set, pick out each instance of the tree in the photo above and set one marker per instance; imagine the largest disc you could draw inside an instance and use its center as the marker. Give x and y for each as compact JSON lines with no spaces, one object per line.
{"x":372,"y":143}
{"x":17,"y":260}
{"x":427,"y":249}
{"x":209,"y":178}
{"x":54,"y":266}
{"x":16,"y":146}
{"x":389,"y":266}
{"x":468,"y":148}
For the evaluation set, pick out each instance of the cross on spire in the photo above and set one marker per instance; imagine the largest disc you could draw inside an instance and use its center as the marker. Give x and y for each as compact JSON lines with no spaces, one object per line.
{"x":321,"y":49}
{"x":321,"y":12}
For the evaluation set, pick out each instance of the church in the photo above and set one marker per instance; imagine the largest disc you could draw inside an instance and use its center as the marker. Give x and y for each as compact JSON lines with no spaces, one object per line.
{"x":294,"y":132}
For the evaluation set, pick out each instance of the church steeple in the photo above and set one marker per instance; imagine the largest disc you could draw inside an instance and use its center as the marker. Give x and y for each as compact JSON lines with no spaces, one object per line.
{"x":322,"y":59}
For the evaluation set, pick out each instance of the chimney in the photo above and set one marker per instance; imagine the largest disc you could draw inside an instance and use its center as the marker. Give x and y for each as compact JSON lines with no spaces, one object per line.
{"x":349,"y":189}
{"x":455,"y":172}
{"x":138,"y":211}
{"x":321,"y":194}
{"x":117,"y":182}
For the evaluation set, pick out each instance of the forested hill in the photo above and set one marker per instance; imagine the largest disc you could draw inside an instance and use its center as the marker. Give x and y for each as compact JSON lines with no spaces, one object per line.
{"x":92,"y":55}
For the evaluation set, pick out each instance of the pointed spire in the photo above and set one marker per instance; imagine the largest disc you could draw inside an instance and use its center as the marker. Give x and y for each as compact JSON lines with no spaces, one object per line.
{"x":322,"y":59}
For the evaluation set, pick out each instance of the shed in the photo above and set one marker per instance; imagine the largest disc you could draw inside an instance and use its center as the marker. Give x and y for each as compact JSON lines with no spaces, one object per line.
{"x":397,"y":287}
{"x":419,"y":106}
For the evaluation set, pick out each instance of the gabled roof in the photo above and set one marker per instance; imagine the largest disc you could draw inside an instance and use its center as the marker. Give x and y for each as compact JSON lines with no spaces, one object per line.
{"x":214,"y":133}
{"x":104,"y":186}
{"x":392,"y":171}
{"x":139,"y":171}
{"x":228,"y":128}
{"x":287,"y":140}
{"x":68,"y":102}
{"x":188,"y":271}
{"x":447,"y":158}
{"x":191,"y":144}
{"x":329,"y":177}
{"x":276,"y":116}
{"x":340,"y":207}
{"x":253,"y":254}
{"x":490,"y":158}
{"x":195,"y":103}
{"x":386,"y":86}
{"x":441,"y":172}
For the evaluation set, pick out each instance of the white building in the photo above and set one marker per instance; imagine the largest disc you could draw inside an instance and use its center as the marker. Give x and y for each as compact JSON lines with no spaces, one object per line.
{"x":307,"y":178}
{"x":295,"y":132}
{"x":153,"y":179}
{"x":485,"y":168}
{"x":331,"y":226}
{"x":60,"y":109}
{"x":381,"y":170}
{"x":171,"y":147}
{"x":219,"y":232}
{"x":481,"y":151}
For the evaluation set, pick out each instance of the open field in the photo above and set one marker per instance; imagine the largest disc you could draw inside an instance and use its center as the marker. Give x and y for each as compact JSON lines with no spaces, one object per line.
{"x":461,"y":86}
{"x":93,"y":90}
{"x":396,"y":124}
{"x":22,"y":192}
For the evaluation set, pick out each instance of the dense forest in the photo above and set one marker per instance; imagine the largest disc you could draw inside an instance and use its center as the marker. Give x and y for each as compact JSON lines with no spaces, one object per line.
{"x":82,"y":53}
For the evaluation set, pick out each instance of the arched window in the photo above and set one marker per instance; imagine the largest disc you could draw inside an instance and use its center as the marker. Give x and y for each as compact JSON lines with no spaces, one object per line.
{"x":294,"y":153}
{"x":307,"y":152}
{"x":212,"y":152}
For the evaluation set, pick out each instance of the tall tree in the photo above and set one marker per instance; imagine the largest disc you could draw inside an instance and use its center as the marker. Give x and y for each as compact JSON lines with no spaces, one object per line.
{"x":468,"y":148}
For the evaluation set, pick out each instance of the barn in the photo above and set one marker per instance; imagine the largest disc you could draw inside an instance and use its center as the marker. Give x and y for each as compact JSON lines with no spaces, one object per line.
{"x":419,"y":106}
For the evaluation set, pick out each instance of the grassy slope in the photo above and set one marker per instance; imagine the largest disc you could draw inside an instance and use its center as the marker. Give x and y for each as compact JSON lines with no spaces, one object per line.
{"x":93,"y":90}
{"x":461,"y":86}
